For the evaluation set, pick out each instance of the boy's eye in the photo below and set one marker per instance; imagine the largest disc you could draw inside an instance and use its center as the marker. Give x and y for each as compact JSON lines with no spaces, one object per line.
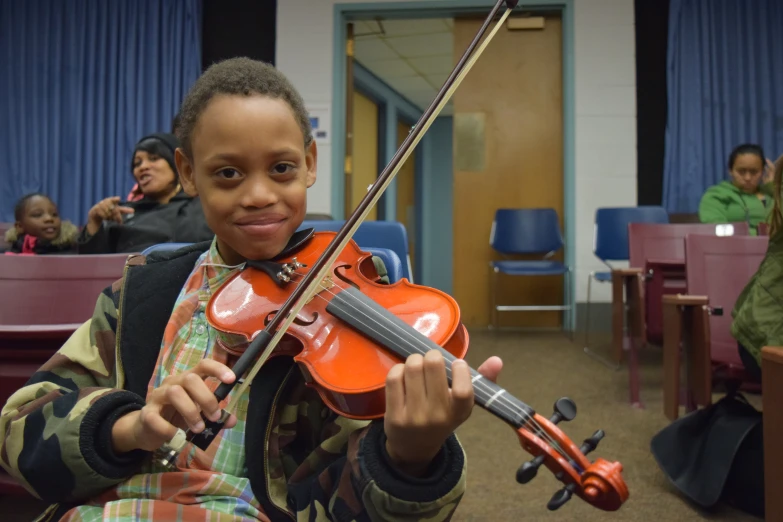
{"x":228,"y":174}
{"x":283,"y":168}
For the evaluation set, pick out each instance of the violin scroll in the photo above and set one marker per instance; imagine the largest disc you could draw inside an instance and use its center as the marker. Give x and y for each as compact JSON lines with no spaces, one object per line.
{"x":598,"y":483}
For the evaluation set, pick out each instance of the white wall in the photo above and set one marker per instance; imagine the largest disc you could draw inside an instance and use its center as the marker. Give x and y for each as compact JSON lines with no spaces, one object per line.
{"x":605,"y":105}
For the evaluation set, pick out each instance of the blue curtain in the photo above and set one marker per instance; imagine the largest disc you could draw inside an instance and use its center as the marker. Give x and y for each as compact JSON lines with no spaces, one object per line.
{"x":80,"y":82}
{"x":725,"y":87}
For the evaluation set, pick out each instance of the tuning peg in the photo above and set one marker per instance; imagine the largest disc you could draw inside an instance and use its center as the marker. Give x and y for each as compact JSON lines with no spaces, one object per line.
{"x":528,"y":470}
{"x":561,"y":497}
{"x":590,"y":444}
{"x":565,"y":409}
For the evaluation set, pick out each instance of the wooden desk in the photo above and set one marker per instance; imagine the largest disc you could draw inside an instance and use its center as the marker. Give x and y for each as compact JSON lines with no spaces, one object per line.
{"x":687,"y":326}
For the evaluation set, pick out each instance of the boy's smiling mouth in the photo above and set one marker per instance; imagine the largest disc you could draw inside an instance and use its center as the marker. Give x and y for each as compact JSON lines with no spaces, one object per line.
{"x":261,"y":226}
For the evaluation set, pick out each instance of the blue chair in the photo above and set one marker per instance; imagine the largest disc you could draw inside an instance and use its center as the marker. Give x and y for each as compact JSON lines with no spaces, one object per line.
{"x":610,"y":243}
{"x":374,"y":234}
{"x":391,"y":260}
{"x":527,"y":231}
{"x":394,"y":267}
{"x":164,"y":247}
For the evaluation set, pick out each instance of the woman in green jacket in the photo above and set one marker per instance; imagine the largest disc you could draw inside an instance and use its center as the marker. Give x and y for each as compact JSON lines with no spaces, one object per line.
{"x":759,"y":308}
{"x":747,"y":197}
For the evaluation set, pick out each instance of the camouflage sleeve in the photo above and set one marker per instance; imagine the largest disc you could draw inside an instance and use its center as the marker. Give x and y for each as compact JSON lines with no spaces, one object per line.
{"x":349,"y":476}
{"x":56,"y":430}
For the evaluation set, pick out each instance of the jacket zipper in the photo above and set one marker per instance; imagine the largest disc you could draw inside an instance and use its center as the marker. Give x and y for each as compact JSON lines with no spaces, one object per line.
{"x":266,"y":443}
{"x":117,"y":355}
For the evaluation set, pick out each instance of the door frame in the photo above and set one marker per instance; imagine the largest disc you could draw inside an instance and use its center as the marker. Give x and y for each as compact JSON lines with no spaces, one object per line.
{"x":345,"y":12}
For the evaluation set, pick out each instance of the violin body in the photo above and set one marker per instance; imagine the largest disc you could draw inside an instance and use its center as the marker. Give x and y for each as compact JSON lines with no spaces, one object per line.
{"x":346,"y":367}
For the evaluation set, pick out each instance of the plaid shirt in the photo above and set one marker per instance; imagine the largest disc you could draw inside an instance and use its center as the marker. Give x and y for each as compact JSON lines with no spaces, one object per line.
{"x":211,"y":485}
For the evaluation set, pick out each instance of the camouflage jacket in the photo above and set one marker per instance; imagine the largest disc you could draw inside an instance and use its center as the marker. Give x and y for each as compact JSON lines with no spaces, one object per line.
{"x":759,"y":307}
{"x":56,"y":430}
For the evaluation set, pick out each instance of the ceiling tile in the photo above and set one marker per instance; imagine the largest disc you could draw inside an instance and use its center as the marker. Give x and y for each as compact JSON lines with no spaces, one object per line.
{"x":365,"y":27}
{"x":437,"y":79}
{"x":386,"y":69}
{"x":372,"y":49}
{"x":422,"y":45}
{"x":409,"y":84}
{"x":409,"y":27}
{"x":441,"y":64}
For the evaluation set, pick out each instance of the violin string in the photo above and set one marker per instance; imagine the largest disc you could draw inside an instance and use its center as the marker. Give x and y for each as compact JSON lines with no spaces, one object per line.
{"x":312,"y":288}
{"x":501,"y":400}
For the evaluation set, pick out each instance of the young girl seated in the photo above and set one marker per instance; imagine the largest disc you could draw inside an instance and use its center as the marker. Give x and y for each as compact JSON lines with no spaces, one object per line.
{"x":83,"y":431}
{"x":38,"y":229}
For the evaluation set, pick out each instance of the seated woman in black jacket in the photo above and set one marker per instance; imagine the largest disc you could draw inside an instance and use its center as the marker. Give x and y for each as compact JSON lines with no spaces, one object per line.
{"x":164,"y":215}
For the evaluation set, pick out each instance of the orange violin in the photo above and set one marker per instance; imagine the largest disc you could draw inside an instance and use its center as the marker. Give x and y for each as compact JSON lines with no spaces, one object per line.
{"x":347,"y":338}
{"x":320,"y":301}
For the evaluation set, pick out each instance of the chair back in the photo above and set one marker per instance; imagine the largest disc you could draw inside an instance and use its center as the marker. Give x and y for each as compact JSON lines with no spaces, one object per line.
{"x":762,"y":228}
{"x":164,"y":247}
{"x":54,"y":290}
{"x":667,"y":241}
{"x":374,"y":234}
{"x":526,"y":231}
{"x":720,"y":268}
{"x":611,"y":229}
{"x":391,"y":261}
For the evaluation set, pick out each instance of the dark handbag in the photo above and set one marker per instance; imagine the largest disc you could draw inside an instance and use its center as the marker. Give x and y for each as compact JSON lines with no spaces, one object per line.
{"x":716,"y":454}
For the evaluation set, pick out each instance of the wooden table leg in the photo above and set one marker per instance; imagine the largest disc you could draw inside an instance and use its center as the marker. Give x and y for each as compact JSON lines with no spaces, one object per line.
{"x":618,"y":316}
{"x":672,"y":335}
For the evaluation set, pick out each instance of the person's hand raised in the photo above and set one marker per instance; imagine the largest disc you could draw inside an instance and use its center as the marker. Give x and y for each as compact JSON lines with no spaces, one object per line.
{"x":105,"y":210}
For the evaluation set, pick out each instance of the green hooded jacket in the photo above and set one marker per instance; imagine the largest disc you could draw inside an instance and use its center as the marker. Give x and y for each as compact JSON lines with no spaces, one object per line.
{"x":725,"y":203}
{"x":758,"y":311}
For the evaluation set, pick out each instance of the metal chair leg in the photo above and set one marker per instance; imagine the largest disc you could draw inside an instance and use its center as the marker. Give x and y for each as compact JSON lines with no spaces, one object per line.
{"x":603,"y":360}
{"x":493,"y":298}
{"x":587,"y":312}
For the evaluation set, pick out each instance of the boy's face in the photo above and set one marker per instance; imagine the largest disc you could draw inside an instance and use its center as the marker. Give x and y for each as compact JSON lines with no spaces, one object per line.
{"x":40,"y":219}
{"x":251,"y":170}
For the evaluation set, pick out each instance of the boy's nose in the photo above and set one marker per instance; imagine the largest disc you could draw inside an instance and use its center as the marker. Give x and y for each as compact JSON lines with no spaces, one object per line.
{"x":259,"y":194}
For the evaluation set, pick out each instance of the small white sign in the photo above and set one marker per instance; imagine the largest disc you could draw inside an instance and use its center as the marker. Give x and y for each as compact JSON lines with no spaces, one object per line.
{"x":321,"y":122}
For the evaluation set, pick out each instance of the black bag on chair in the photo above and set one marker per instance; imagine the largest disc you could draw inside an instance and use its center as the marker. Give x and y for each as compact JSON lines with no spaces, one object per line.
{"x":716,"y":454}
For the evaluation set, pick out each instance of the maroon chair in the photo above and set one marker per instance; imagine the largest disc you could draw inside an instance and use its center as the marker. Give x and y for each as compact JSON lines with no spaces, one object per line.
{"x":762,"y":229}
{"x":44,"y":299}
{"x":717,"y":270}
{"x":659,"y":249}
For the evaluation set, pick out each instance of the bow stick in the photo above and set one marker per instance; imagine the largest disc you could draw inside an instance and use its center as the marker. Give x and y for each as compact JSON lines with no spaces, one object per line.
{"x":265,"y":341}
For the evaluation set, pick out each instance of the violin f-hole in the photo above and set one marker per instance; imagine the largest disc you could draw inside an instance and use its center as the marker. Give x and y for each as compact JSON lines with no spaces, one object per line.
{"x":344,"y":278}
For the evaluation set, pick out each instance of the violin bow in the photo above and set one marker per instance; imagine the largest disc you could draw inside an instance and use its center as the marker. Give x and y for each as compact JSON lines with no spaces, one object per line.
{"x":264,"y":343}
{"x":266,"y":340}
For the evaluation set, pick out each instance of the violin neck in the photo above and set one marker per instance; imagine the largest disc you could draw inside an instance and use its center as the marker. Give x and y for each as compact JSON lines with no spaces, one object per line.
{"x":397,"y":336}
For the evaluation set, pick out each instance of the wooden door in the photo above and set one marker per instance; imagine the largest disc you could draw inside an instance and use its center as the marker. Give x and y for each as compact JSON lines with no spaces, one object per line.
{"x":508,"y":153}
{"x":349,"y":93}
{"x":406,"y":192}
{"x":365,"y":149}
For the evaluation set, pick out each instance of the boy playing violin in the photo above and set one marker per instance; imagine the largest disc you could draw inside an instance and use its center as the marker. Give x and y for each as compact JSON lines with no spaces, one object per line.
{"x":82,"y":432}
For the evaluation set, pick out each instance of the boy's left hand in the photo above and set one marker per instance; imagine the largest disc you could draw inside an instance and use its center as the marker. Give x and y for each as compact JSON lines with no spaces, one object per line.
{"x":422,"y":411}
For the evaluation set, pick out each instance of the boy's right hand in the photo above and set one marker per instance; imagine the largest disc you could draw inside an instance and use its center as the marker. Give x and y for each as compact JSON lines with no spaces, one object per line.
{"x":105,"y":210}
{"x":177,"y":403}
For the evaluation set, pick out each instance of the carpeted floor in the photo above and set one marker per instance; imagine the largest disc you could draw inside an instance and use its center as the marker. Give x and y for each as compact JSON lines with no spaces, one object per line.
{"x":540,"y":368}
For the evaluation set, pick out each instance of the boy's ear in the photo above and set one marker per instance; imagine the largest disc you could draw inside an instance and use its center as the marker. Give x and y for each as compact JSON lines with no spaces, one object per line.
{"x":311,"y":158}
{"x":186,"y":174}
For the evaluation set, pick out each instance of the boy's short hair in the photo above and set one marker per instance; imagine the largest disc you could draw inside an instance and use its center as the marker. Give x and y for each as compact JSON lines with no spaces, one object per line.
{"x":22,"y":203}
{"x":242,"y":77}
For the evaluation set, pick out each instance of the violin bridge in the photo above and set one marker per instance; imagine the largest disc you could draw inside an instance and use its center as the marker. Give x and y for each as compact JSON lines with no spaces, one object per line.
{"x":326,"y":284}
